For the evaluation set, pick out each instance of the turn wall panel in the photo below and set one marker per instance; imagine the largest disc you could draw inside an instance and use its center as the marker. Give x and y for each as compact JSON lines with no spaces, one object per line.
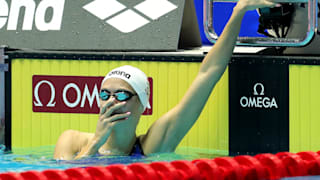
{"x":170,"y":82}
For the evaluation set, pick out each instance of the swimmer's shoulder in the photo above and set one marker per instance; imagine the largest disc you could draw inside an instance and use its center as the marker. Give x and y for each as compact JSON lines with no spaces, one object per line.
{"x":69,"y":143}
{"x":82,"y":138}
{"x":75,"y":139}
{"x":77,"y":135}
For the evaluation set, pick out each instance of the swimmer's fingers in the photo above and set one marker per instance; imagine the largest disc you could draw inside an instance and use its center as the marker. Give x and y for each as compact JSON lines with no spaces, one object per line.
{"x":109,"y":103}
{"x":118,"y":117}
{"x":271,"y":3}
{"x":113,"y":108}
{"x":268,"y":3}
{"x":255,"y":4}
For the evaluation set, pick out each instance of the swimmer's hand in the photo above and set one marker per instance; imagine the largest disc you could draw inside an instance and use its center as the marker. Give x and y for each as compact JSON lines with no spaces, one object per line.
{"x":248,"y":5}
{"x":107,"y":119}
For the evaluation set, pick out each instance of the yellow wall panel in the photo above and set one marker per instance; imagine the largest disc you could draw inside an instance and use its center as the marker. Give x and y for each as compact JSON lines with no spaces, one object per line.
{"x":16,"y":109}
{"x":170,"y":82}
{"x":304,"y":108}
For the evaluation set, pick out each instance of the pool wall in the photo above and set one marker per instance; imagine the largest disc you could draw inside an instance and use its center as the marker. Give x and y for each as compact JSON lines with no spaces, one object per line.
{"x":171,"y":76}
{"x":293,"y":128}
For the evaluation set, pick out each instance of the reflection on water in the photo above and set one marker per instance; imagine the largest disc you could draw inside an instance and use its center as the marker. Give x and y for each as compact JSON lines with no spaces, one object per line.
{"x":24,"y":159}
{"x":40,"y":158}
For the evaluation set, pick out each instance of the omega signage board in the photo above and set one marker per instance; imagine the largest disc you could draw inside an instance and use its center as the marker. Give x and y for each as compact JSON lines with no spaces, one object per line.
{"x":258,"y":106}
{"x":91,"y":24}
{"x":70,"y":94}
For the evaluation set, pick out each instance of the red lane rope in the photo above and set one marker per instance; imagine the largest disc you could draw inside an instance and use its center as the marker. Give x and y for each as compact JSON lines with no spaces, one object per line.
{"x":261,"y":166}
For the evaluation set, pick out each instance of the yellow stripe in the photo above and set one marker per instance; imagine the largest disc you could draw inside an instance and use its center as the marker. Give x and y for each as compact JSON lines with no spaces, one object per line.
{"x":193,"y":138}
{"x":304,"y":108}
{"x":16,"y":107}
{"x":36,"y":118}
{"x":27,"y":126}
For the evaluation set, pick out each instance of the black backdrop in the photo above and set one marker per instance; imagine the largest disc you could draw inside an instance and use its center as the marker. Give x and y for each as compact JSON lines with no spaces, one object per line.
{"x":258,"y":106}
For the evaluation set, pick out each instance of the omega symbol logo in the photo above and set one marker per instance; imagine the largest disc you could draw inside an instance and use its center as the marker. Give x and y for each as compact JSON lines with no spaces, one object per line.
{"x":37,"y":101}
{"x":125,"y":19}
{"x":258,"y":100}
{"x":255,"y":89}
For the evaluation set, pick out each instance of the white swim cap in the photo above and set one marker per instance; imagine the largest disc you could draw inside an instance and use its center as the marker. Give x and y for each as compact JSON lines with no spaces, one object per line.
{"x":137,"y":80}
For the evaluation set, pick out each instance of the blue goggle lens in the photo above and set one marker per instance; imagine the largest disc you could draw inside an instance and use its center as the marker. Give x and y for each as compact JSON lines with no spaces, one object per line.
{"x":120,"y":96}
{"x":104,"y":95}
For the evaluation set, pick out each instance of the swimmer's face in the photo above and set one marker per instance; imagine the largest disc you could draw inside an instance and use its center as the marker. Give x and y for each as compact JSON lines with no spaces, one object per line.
{"x":114,"y":85}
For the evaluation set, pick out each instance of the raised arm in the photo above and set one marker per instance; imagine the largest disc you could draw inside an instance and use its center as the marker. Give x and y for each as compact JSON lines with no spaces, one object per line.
{"x":167,"y":132}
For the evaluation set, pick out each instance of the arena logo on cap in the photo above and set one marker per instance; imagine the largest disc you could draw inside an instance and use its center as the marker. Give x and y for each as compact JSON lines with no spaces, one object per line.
{"x":120,"y":73}
{"x":258,"y":100}
{"x":33,"y":14}
{"x":125,"y":19}
{"x":70,"y":94}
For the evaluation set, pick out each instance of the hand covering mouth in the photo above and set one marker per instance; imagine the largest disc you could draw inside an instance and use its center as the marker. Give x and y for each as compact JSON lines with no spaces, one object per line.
{"x":114,"y":113}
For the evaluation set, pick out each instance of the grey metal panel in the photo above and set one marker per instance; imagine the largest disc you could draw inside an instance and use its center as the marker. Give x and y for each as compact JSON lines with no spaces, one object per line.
{"x":2,"y":114}
{"x":298,"y":27}
{"x":190,"y":33}
{"x":81,"y":29}
{"x":2,"y":97}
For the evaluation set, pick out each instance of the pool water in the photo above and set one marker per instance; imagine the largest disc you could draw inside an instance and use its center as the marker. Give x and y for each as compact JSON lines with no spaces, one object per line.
{"x":41,"y":158}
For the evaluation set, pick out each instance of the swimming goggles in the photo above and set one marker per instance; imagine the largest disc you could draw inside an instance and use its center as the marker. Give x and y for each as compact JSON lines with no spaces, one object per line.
{"x":121,"y":95}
